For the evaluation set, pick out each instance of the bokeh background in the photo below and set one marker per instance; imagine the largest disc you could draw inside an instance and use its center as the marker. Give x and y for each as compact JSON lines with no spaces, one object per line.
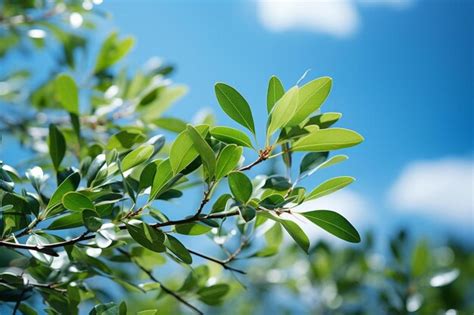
{"x":403,"y":78}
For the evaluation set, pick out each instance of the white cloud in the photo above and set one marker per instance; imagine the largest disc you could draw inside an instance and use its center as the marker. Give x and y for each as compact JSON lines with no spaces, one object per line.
{"x":442,"y":189}
{"x":339,"y":18}
{"x":350,"y":204}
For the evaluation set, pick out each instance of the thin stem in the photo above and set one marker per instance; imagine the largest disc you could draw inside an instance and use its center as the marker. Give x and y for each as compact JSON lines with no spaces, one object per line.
{"x":163,"y":287}
{"x":223,"y":263}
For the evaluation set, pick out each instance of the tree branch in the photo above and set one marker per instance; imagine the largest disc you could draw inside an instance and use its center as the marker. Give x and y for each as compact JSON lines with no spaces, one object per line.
{"x":223,"y":263}
{"x":164,"y":288}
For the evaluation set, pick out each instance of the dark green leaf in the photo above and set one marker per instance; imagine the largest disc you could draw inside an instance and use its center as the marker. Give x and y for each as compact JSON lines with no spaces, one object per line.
{"x":334,"y":223}
{"x":147,"y":236}
{"x":57,"y":145}
{"x":174,"y":245}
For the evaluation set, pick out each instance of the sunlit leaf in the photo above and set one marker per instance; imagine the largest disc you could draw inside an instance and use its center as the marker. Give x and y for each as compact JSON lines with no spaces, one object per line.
{"x":235,"y":105}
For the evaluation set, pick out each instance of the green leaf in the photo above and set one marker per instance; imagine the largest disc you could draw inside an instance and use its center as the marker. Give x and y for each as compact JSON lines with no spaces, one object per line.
{"x":327,"y":140}
{"x":174,"y":245}
{"x":207,"y":155}
{"x":213,"y":294}
{"x":163,"y":175}
{"x":66,"y":93}
{"x":276,"y":182}
{"x":333,"y":223}
{"x":240,"y":186}
{"x":137,"y":156}
{"x":283,"y":110}
{"x":273,"y":238}
{"x":274,"y":92}
{"x":91,"y":220}
{"x":76,"y":201}
{"x":248,"y":213}
{"x":221,"y":203}
{"x":125,"y":139}
{"x":171,"y":124}
{"x":69,"y":184}
{"x":332,"y":161}
{"x":192,"y":229}
{"x":182,"y":151}
{"x":296,"y":233}
{"x":420,"y":258}
{"x":227,"y":160}
{"x":311,"y":97}
{"x":231,"y":135}
{"x":68,"y":221}
{"x":57,"y":146}
{"x":147,"y":236}
{"x":312,"y":160}
{"x":112,"y":50}
{"x":235,"y":105}
{"x":325,"y":120}
{"x":330,"y":186}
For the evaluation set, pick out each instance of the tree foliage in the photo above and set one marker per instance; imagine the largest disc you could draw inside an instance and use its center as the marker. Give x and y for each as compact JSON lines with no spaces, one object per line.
{"x":107,"y":155}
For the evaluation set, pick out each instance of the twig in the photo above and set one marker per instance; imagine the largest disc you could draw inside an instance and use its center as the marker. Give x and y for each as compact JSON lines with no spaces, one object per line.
{"x":262,"y":156}
{"x":164,"y":288}
{"x":217,"y":261}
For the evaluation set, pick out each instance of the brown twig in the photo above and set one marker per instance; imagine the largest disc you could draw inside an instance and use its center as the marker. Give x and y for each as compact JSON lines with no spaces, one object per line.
{"x":262,"y":156}
{"x":164,"y":288}
{"x":223,"y":263}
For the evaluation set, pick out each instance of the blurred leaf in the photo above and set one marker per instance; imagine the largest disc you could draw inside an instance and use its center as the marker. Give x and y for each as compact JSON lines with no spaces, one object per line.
{"x":66,"y":93}
{"x":57,"y":146}
{"x":112,"y":50}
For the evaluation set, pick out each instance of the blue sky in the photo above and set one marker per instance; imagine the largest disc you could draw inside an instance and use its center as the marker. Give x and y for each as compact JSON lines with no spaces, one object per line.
{"x":403,"y":77}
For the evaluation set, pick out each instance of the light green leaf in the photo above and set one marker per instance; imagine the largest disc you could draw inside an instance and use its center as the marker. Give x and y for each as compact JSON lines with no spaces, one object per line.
{"x":171,"y":124}
{"x":240,"y":186}
{"x":330,"y":186}
{"x":166,"y":97}
{"x":325,"y":120}
{"x":231,"y":135}
{"x":283,"y":110}
{"x":112,"y":50}
{"x":76,"y":201}
{"x":330,"y":162}
{"x":182,"y":151}
{"x":69,"y":184}
{"x":57,"y":146}
{"x":327,"y":140}
{"x":311,"y":97}
{"x":125,"y":139}
{"x":207,"y":155}
{"x":228,"y":159}
{"x":235,"y":105}
{"x":137,"y":156}
{"x":163,"y":175}
{"x":66,"y":93}
{"x":274,"y":92}
{"x":334,"y":223}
